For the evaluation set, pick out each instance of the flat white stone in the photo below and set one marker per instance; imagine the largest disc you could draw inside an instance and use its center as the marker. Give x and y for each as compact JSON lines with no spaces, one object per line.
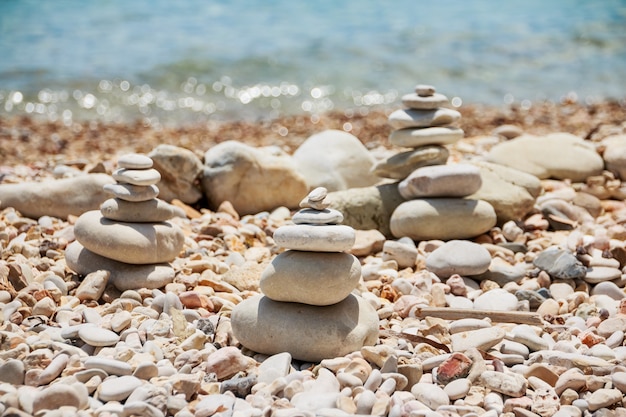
{"x":98,"y":336}
{"x":599,"y":274}
{"x":482,"y":339}
{"x":424,"y":90}
{"x":129,"y":192}
{"x":150,"y":211}
{"x":496,"y":299}
{"x":134,"y":161}
{"x":316,"y":238}
{"x":405,"y":118}
{"x":415,"y":137}
{"x":118,"y":389}
{"x":415,"y":101}
{"x":137,"y":176}
{"x":458,"y":257}
{"x":312,"y":216}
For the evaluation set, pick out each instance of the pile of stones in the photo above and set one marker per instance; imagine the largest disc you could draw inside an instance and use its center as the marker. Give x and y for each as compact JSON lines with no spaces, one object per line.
{"x":131,"y":235}
{"x":308,"y":308}
{"x":435,"y":191}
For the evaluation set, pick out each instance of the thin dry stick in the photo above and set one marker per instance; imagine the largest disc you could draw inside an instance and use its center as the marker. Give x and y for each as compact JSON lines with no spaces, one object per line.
{"x":520,"y":317}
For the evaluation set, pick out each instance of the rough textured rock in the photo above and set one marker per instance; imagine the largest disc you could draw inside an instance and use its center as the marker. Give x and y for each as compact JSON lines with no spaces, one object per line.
{"x":368,"y":207}
{"x":335,"y":160}
{"x":252,"y":179}
{"x":557,"y":155}
{"x":57,"y":198}
{"x":180,"y":170}
{"x":271,"y":327}
{"x":511,"y":193}
{"x":442,"y":218}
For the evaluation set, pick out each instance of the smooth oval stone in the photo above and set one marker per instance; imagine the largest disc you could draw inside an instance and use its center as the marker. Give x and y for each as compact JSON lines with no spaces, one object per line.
{"x":310,"y":277}
{"x":452,"y":180}
{"x":400,"y":166}
{"x":133,"y":243}
{"x":433,"y":396}
{"x":55,"y":396}
{"x":482,"y":339}
{"x":404,"y":118}
{"x":424,"y":90}
{"x":150,"y":211}
{"x":308,"y":333}
{"x":134,"y":161}
{"x":496,"y":299}
{"x":560,"y":263}
{"x":312,"y":216}
{"x":316,"y":238}
{"x":124,"y":276}
{"x":137,"y":176}
{"x":110,"y":366}
{"x":416,"y":137}
{"x":442,"y":218}
{"x":418,"y":102}
{"x":458,"y":257}
{"x":98,"y":336}
{"x":598,"y":274}
{"x":118,"y":389}
{"x":129,"y":192}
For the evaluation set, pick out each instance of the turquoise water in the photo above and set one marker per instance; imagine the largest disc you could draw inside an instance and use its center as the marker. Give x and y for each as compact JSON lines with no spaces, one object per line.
{"x":166,"y":61}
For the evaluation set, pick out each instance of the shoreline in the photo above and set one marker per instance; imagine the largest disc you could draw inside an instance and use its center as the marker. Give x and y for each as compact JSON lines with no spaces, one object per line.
{"x":27,"y":140}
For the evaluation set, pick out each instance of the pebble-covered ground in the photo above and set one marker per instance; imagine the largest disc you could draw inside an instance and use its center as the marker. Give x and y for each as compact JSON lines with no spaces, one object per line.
{"x":69,"y":349}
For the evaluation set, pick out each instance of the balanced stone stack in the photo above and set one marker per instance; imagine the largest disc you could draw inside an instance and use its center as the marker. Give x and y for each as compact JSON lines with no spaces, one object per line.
{"x":308,"y":308}
{"x":131,"y":235}
{"x":437,"y":207}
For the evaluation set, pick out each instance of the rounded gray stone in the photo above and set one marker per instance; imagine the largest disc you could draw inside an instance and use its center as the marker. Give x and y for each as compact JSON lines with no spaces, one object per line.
{"x":134,"y":161}
{"x":123,"y":276}
{"x":400,"y":165}
{"x":458,"y":257}
{"x":308,"y":333}
{"x":133,"y":243}
{"x":312,"y":216}
{"x":442,"y":218}
{"x":560,"y":264}
{"x":129,"y":192}
{"x":137,"y":176}
{"x":452,"y":180}
{"x":316,"y":238}
{"x":316,"y":278}
{"x":418,"y":102}
{"x":150,"y":211}
{"x":405,"y":118}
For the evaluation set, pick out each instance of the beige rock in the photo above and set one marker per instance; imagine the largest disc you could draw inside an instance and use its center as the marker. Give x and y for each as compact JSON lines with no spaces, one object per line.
{"x":311,"y":277}
{"x":400,"y":166}
{"x":180,"y":169}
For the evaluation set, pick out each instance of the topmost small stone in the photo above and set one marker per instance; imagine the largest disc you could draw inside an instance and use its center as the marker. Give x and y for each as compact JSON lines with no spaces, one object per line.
{"x":424,"y":90}
{"x":315,"y":199}
{"x":134,"y":161}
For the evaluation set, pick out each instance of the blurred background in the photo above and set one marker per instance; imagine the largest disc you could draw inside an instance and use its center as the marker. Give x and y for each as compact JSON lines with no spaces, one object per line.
{"x":167,"y":62}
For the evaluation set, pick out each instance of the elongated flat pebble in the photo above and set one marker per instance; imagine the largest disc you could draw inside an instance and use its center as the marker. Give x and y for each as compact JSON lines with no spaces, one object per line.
{"x":312,"y":216}
{"x":464,"y":325}
{"x":404,"y":118}
{"x":599,"y":274}
{"x":415,"y":101}
{"x":482,"y":339}
{"x":137,"y":176}
{"x":416,"y":137}
{"x":604,"y":397}
{"x":134,"y":161}
{"x":458,"y":388}
{"x":321,"y":238}
{"x":98,"y":336}
{"x":118,"y":389}
{"x":425,"y":90}
{"x":129,"y":192}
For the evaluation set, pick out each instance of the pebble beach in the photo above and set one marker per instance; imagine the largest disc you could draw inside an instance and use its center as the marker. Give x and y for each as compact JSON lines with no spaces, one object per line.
{"x":525,"y":319}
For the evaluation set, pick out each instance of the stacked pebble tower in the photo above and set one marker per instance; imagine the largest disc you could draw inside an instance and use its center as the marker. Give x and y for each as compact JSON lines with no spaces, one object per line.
{"x":131,"y":235}
{"x":430,"y":186}
{"x":308,"y":308}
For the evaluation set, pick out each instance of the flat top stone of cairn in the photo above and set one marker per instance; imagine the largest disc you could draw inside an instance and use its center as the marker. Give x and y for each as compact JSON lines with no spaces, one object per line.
{"x":134,"y":161}
{"x":424,"y":90}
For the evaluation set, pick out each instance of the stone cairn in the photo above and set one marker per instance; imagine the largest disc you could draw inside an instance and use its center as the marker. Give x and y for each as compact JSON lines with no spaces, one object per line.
{"x":308,"y":308}
{"x":437,"y":206}
{"x":131,"y":235}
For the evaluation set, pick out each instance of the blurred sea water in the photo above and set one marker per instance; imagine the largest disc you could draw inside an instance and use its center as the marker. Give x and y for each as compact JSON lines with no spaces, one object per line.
{"x":172,"y":62}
